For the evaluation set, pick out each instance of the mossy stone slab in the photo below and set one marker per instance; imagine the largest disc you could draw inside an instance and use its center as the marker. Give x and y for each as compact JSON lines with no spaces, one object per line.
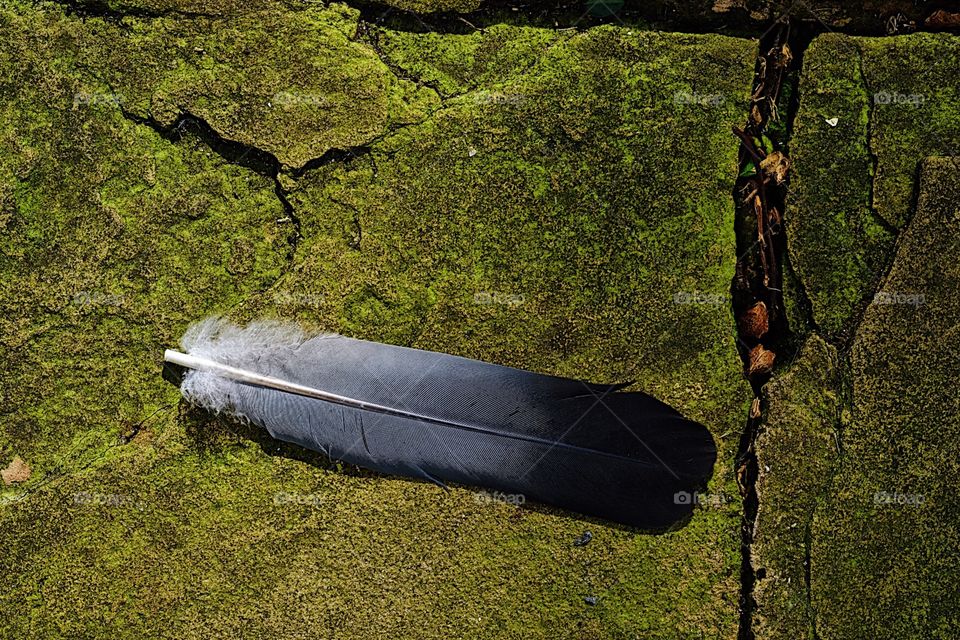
{"x":797,"y":450}
{"x":294,"y":84}
{"x":113,"y":240}
{"x":564,"y":232}
{"x":548,"y":240}
{"x":870,"y":110}
{"x":886,"y":540}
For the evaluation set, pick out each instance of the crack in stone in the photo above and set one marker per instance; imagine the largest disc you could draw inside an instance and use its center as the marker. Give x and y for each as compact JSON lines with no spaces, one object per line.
{"x":99,"y":9}
{"x":258,"y":160}
{"x":757,"y":280}
{"x":845,"y":342}
{"x":368,"y":33}
{"x":255,"y":159}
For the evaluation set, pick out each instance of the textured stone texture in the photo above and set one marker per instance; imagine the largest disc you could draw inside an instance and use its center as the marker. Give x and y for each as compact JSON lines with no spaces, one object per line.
{"x":540,"y":231}
{"x":295,"y":84}
{"x":797,"y":449}
{"x":882,"y":569}
{"x":853,"y":183}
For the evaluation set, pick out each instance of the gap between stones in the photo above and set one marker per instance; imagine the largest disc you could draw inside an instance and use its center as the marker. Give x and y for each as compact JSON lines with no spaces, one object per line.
{"x":763,"y":332}
{"x":559,"y":14}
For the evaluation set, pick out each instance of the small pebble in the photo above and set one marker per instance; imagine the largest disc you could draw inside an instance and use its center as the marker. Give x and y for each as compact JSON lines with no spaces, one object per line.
{"x":590,"y":600}
{"x":583,"y":540}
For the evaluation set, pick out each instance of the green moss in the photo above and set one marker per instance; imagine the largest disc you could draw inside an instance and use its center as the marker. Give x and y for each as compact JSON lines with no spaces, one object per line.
{"x":552,"y":233}
{"x":916,"y":112}
{"x":545,"y":243}
{"x":189,"y":8}
{"x":430,"y":6}
{"x":796,"y":452}
{"x":837,"y":246}
{"x":113,"y":239}
{"x":882,"y":569}
{"x":294,"y":84}
{"x":455,"y":64}
{"x":854,"y":182}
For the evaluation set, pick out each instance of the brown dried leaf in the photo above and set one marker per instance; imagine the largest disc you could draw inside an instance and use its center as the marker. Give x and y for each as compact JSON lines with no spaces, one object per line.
{"x":941,"y":19}
{"x":16,"y":471}
{"x":775,"y":219}
{"x":743,"y":477}
{"x":784,"y":56}
{"x":754,"y":323}
{"x":723,"y":6}
{"x":777,"y":165}
{"x":761,"y":360}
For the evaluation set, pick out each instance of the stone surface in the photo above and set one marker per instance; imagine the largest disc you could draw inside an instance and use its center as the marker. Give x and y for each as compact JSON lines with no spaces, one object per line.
{"x":295,"y":84}
{"x":429,"y":6}
{"x":561,"y":230}
{"x":886,"y":540}
{"x":858,"y":531}
{"x":796,"y":453}
{"x":113,"y":239}
{"x":852,"y":183}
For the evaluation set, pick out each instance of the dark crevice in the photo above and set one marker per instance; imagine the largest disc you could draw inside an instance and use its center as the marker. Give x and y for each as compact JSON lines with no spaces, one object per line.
{"x":369,"y":34}
{"x":259,"y":161}
{"x":558,"y":14}
{"x":567,"y":15}
{"x":690,"y":18}
{"x":332,"y":156}
{"x":99,"y":9}
{"x":764,"y":335}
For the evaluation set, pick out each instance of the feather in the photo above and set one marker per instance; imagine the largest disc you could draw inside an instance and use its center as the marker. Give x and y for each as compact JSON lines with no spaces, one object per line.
{"x":590,"y":448}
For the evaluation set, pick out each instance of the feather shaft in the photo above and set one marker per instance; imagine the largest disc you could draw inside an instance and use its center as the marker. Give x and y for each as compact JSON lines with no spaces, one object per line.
{"x":236,"y":374}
